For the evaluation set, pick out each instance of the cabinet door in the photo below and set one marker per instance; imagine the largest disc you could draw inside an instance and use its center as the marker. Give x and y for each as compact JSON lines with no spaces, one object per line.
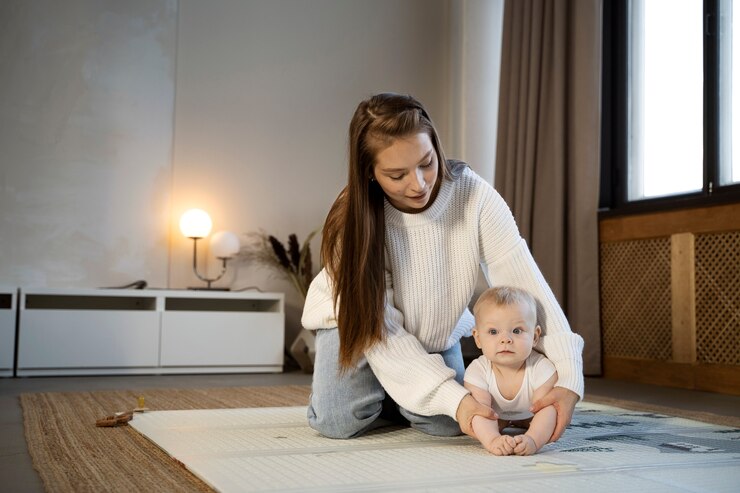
{"x":7,"y":340}
{"x":88,"y":339}
{"x":222,"y":339}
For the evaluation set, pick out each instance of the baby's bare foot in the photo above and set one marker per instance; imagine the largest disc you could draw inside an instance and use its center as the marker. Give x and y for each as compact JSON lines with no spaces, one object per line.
{"x":525,"y":445}
{"x":502,"y":445}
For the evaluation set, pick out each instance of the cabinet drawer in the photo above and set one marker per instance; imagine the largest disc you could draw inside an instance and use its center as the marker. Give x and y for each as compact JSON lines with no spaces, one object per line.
{"x":88,"y":339}
{"x":192,"y":338}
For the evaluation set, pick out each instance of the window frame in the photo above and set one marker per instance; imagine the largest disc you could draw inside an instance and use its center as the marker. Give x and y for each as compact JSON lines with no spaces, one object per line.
{"x":614,"y":146}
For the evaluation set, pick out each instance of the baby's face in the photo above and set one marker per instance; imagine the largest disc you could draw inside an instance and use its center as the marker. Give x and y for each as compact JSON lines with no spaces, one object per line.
{"x":505,"y":334}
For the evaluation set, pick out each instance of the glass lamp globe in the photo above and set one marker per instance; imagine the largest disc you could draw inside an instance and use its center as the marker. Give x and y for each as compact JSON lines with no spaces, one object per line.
{"x":224,"y":244}
{"x":195,"y":223}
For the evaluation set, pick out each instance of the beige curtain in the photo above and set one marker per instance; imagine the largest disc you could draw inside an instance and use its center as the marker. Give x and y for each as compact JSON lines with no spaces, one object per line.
{"x":547,"y":159}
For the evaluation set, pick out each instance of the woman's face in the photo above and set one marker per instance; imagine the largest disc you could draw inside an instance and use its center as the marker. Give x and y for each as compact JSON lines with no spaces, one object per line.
{"x":407,"y":172}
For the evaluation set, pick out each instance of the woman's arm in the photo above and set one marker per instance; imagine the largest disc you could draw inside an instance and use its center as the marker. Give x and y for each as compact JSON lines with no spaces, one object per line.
{"x":508,"y":261}
{"x":418,"y":381}
{"x":558,"y":342}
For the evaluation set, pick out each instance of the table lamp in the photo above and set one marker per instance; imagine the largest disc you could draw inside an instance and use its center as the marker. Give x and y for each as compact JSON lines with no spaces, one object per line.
{"x":196,"y":224}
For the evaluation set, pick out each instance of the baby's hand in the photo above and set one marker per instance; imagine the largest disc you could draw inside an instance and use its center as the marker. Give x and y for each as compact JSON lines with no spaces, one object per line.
{"x":524,"y":445}
{"x":501,"y":445}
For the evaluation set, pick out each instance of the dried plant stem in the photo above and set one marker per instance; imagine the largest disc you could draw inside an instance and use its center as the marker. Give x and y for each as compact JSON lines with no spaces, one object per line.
{"x":292,"y":264}
{"x":298,"y":286}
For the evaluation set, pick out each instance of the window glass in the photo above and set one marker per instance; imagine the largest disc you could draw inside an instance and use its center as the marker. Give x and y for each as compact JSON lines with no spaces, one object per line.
{"x":665,"y":98}
{"x":729,"y":83}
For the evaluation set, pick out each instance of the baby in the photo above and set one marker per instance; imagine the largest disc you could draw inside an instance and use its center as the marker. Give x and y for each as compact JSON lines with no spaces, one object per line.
{"x":509,"y":376}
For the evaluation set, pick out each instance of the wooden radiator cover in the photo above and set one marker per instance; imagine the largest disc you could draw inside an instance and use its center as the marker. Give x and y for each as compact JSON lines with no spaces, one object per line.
{"x":670,"y":298}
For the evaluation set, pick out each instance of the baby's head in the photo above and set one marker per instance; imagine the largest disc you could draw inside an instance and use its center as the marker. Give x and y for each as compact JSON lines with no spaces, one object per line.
{"x":506,"y":324}
{"x":501,"y":296}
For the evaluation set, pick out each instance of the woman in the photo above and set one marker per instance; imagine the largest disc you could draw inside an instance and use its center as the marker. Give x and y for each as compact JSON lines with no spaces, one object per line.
{"x":401,"y":248}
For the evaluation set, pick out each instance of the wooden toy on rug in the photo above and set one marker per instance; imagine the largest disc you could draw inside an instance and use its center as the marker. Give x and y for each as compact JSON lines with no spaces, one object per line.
{"x":117,"y":419}
{"x":123,"y":417}
{"x":141,"y":407}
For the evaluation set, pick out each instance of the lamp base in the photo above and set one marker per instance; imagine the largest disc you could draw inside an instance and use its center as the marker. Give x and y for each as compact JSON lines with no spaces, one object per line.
{"x":204,"y":288}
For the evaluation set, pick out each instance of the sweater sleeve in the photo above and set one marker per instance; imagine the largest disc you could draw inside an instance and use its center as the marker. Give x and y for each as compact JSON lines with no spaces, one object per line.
{"x":318,"y":310}
{"x":418,"y":381}
{"x":508,"y":261}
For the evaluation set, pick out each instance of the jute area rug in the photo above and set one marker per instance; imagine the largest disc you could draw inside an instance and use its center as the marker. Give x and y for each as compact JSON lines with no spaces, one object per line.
{"x":71,"y":454}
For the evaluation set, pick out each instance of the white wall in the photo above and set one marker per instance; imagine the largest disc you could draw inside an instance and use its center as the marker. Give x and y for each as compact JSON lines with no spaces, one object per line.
{"x":475,"y":63}
{"x":265,"y":92}
{"x":86,"y":100}
{"x":115,"y":117}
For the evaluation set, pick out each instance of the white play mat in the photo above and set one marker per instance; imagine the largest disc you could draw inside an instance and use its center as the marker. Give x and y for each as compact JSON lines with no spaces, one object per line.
{"x":606,"y":449}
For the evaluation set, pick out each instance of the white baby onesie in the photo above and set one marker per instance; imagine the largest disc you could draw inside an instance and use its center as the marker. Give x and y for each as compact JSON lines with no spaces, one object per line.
{"x":538,"y":369}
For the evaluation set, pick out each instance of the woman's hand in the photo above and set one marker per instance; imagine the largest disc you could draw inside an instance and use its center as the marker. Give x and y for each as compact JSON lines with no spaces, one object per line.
{"x":564,"y":401}
{"x":468,"y":408}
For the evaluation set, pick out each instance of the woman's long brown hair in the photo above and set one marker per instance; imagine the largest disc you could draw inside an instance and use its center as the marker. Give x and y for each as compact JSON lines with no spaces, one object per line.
{"x":353,"y":245}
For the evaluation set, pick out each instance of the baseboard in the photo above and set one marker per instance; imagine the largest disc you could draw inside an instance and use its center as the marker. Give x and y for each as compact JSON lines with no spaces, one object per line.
{"x":723,"y":379}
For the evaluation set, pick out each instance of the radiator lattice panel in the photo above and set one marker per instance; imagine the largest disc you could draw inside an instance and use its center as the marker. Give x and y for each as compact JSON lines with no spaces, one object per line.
{"x":718,"y":298}
{"x":636,"y":299}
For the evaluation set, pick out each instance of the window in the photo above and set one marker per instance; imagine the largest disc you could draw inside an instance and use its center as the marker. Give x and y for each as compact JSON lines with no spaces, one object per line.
{"x":671,"y":112}
{"x":729,"y":91}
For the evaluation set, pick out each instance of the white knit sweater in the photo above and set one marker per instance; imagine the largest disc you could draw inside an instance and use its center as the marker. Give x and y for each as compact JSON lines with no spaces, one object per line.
{"x":432,"y":263}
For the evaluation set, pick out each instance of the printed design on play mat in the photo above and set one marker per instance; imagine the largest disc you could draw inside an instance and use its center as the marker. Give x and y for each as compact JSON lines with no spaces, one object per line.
{"x":669,"y":443}
{"x":550,"y":467}
{"x":673,"y":443}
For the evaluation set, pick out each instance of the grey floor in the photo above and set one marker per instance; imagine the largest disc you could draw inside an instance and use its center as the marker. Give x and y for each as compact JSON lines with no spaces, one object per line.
{"x":17,"y":473}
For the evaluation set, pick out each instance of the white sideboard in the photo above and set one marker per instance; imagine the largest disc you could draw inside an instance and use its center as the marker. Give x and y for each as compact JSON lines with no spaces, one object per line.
{"x":151,"y":331}
{"x":8,"y":306}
